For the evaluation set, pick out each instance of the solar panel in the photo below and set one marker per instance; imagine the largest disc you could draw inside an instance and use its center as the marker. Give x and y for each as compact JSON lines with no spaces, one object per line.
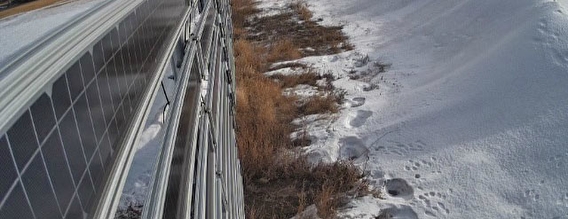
{"x":16,"y":205}
{"x":8,"y":169}
{"x":54,"y":158}
{"x":59,"y":169}
{"x":22,"y":137}
{"x":38,"y":189}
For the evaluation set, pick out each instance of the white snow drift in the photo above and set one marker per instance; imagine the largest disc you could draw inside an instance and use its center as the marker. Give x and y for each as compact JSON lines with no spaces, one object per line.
{"x":471,"y":120}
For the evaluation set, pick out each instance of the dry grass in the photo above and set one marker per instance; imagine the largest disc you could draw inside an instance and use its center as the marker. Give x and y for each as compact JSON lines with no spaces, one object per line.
{"x":319,"y":104}
{"x":292,"y":184}
{"x":29,"y":6}
{"x":277,"y":182}
{"x":283,"y":50}
{"x":309,"y":36}
{"x":326,"y":101}
{"x":310,"y":77}
{"x":264,"y":115}
{"x":301,"y":8}
{"x":242,"y":9}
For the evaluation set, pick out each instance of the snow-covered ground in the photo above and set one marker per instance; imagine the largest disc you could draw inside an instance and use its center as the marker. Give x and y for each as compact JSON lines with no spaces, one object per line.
{"x":470,"y":121}
{"x":19,"y":32}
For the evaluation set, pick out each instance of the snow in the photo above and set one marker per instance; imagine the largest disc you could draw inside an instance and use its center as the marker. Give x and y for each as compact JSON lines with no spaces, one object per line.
{"x":471,"y":119}
{"x":148,"y":148}
{"x":18,"y":33}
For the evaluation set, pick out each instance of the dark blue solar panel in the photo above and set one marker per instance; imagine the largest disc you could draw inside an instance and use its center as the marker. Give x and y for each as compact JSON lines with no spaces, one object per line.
{"x":38,"y":188}
{"x":113,"y":133}
{"x":72,"y":145}
{"x":60,"y":96}
{"x":9,"y":174}
{"x":113,"y":83}
{"x":97,"y":114}
{"x":75,"y":80}
{"x":128,"y":104}
{"x":43,"y":117}
{"x":98,"y":56}
{"x":128,"y":56}
{"x":120,"y":117}
{"x":87,"y":68}
{"x":16,"y":205}
{"x":122,"y":32}
{"x":115,"y":42}
{"x":96,"y":170}
{"x":85,"y":125}
{"x":86,"y":191}
{"x":105,"y":149}
{"x":23,"y":140}
{"x":122,"y":69}
{"x":106,"y":96}
{"x":106,"y":43}
{"x":75,"y":210}
{"x":58,"y":169}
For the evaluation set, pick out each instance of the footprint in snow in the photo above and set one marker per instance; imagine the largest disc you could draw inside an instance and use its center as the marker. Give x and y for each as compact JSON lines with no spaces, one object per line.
{"x":357,"y":101}
{"x":353,"y":148}
{"x":357,"y":119}
{"x":563,"y":201}
{"x":531,"y":194}
{"x":434,"y":203}
{"x":421,"y":165}
{"x":398,"y":148}
{"x":399,"y":188}
{"x":403,"y":211}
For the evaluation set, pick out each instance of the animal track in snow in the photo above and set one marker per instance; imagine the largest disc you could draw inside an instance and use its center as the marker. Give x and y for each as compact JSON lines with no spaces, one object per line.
{"x":403,"y":211}
{"x":352,"y":148}
{"x":563,"y":200}
{"x":531,"y":194}
{"x":417,"y":165}
{"x":358,"y":118}
{"x":434,"y":203}
{"x":399,"y":188}
{"x":559,"y":160}
{"x":355,"y":102}
{"x":398,"y":148}
{"x":550,"y":36}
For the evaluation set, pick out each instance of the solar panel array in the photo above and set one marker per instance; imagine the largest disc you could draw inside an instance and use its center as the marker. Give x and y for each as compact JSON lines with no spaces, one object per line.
{"x":53,"y":159}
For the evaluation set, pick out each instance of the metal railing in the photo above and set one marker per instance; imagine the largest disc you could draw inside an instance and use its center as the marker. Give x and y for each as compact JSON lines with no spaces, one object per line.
{"x":96,"y":80}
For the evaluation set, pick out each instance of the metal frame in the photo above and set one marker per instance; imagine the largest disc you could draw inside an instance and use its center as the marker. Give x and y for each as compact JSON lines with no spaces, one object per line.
{"x":210,"y":184}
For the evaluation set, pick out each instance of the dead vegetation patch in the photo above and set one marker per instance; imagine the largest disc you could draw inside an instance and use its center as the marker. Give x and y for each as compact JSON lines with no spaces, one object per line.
{"x":293,"y":184}
{"x":278,"y":182}
{"x":295,"y":24}
{"x":301,"y":8}
{"x":308,"y":77}
{"x":283,"y":50}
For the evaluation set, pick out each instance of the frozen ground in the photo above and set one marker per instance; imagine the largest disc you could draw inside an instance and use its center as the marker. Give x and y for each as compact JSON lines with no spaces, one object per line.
{"x":19,"y":32}
{"x":471,"y":120}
